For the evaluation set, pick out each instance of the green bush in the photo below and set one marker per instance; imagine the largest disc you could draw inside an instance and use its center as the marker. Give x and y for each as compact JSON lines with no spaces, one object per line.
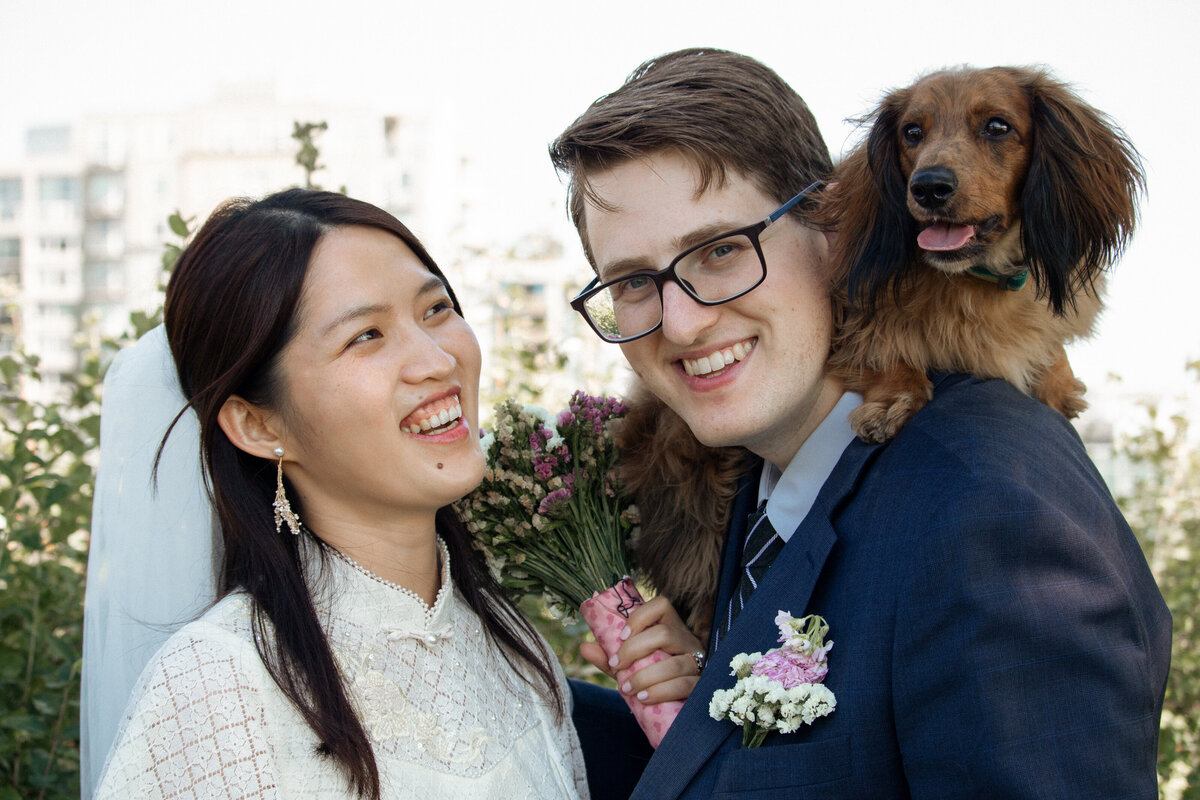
{"x":1163,"y":508}
{"x":47,"y":454}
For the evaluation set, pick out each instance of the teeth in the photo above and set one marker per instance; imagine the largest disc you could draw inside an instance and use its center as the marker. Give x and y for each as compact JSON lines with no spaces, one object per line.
{"x":718,"y":359}
{"x":431,"y":418}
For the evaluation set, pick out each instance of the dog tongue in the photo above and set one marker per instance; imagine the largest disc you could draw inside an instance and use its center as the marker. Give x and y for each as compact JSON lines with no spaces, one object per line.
{"x":940,"y":236}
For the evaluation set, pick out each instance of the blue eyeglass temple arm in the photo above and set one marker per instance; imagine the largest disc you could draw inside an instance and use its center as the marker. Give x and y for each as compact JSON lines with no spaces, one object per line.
{"x":790,"y":204}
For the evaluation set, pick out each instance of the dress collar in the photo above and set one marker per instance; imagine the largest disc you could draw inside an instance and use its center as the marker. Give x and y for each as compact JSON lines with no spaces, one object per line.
{"x":351,"y":592}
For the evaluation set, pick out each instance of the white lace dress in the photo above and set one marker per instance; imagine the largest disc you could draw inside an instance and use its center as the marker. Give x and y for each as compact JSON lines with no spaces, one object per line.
{"x":446,"y":716}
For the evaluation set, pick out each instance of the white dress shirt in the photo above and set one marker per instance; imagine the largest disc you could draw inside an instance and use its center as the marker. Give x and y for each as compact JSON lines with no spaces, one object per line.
{"x":791,"y":494}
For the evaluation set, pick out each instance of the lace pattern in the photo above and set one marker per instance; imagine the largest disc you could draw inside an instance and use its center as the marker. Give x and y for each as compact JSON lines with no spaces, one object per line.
{"x":445,"y":713}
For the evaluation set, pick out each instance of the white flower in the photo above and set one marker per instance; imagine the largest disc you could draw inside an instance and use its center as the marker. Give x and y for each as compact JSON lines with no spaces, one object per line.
{"x":718,"y":707}
{"x":543,"y":416}
{"x":742,"y":662}
{"x":742,"y":705}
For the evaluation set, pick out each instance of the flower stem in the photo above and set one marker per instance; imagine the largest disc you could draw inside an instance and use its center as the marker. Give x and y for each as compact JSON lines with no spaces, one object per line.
{"x":752,"y":735}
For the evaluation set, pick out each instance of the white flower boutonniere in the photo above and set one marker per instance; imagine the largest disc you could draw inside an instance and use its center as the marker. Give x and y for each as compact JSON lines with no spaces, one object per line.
{"x":781,"y":689}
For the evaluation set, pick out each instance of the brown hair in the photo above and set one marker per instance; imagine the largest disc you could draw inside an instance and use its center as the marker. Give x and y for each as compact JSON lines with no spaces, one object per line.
{"x":231,"y":307}
{"x":721,"y":110}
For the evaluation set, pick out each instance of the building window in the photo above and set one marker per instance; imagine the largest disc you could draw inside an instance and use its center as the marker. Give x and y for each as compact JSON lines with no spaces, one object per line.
{"x":10,"y":259}
{"x":48,"y":139}
{"x":106,"y":193}
{"x":52,"y":244}
{"x":58,"y":197}
{"x":10,"y":197}
{"x":103,"y":276}
{"x":104,"y":238}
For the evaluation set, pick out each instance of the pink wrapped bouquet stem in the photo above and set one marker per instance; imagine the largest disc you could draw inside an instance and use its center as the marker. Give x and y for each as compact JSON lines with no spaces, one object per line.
{"x":606,"y":614}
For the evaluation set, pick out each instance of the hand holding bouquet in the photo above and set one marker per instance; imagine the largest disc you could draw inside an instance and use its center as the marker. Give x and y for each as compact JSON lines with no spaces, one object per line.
{"x":551,"y":520}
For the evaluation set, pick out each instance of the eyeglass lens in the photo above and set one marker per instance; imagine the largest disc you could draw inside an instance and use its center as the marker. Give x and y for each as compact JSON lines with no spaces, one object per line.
{"x":714,"y":272}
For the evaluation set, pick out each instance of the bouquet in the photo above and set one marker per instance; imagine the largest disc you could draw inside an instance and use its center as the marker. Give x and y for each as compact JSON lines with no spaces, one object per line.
{"x":781,"y":690}
{"x":551,"y":519}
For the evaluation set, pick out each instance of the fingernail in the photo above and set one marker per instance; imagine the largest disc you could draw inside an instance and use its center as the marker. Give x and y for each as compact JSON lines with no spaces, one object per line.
{"x":643,"y":695}
{"x":627,"y":687}
{"x":625,"y":633}
{"x":613,"y":661}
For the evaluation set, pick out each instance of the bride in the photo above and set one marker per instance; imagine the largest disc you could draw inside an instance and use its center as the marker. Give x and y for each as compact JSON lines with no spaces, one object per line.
{"x":358,"y":648}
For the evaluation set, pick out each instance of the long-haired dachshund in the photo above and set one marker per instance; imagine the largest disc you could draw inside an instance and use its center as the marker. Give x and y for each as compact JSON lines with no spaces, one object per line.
{"x":974,"y":226}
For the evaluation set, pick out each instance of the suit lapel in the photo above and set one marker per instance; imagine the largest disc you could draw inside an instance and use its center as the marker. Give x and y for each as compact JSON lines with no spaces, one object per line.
{"x":694,"y":736}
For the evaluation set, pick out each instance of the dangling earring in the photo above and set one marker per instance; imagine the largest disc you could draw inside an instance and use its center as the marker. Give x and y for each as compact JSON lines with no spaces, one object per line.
{"x":283,"y":509}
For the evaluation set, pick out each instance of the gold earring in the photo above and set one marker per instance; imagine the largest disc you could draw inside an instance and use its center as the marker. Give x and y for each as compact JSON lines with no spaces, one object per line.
{"x":283,"y":509}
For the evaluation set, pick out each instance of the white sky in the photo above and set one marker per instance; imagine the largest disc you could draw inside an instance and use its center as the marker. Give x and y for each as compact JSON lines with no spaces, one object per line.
{"x":513,"y":74}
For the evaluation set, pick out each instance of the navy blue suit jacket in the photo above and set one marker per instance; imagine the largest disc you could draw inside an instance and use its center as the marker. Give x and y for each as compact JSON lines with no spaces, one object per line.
{"x":997,"y":631}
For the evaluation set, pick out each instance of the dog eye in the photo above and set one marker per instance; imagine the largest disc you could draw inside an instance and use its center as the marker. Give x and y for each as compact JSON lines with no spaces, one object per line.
{"x":913,"y":134}
{"x":996,"y":127}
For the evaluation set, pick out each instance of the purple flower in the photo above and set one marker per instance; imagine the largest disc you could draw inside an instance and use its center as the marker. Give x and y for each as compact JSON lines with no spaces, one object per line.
{"x":551,"y":501}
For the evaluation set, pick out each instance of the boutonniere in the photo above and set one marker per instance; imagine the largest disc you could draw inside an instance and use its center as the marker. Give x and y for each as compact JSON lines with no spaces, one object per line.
{"x":782,"y":689}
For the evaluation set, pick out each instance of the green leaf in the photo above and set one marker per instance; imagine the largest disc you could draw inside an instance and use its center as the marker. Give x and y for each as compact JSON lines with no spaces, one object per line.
{"x":26,"y":723}
{"x":179,"y":226}
{"x":46,"y":704}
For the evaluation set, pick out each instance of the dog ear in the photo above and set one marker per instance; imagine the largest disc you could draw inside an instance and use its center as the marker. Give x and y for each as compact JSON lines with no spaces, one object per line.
{"x":1080,"y":197}
{"x":875,"y":230}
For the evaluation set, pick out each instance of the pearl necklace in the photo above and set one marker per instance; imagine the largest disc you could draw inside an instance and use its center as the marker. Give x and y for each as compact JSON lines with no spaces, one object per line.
{"x":445,"y":570}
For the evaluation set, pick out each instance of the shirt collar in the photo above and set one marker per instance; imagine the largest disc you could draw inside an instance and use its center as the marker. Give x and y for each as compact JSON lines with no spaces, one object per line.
{"x":792,"y":493}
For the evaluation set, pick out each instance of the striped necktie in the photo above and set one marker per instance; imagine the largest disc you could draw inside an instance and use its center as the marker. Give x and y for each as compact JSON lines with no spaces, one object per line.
{"x":762,"y":545}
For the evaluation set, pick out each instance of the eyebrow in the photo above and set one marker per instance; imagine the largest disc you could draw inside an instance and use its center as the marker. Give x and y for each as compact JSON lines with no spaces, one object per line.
{"x":356,"y":313}
{"x":433,"y":284}
{"x":679,"y":243}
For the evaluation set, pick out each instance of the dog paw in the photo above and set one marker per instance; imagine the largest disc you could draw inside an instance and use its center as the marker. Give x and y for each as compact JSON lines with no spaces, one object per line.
{"x":1064,"y":397}
{"x":1072,"y":405}
{"x":878,"y":421}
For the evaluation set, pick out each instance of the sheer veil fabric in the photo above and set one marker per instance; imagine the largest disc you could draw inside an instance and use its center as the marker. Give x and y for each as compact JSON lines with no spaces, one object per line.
{"x":153,"y":556}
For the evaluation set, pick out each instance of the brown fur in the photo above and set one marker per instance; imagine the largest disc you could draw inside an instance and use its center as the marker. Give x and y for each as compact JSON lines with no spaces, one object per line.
{"x":684,"y":491}
{"x":1055,"y":194}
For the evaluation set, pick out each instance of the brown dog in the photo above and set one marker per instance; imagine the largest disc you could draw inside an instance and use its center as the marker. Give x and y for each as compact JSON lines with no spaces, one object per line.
{"x":970,"y":184}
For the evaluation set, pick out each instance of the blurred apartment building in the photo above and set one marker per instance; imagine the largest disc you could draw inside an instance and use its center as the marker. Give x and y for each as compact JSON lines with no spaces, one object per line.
{"x":84,"y":210}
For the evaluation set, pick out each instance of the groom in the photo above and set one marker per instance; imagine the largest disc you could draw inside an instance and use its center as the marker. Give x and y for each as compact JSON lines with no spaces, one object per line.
{"x":997,"y":630}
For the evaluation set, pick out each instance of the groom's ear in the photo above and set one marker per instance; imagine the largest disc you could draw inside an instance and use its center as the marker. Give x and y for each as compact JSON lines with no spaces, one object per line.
{"x":251,"y":428}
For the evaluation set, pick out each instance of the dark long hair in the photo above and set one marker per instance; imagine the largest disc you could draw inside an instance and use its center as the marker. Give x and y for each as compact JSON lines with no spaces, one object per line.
{"x":231,"y":307}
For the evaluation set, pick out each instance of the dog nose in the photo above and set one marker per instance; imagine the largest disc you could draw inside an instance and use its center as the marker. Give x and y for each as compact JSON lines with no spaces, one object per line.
{"x":933,"y":187}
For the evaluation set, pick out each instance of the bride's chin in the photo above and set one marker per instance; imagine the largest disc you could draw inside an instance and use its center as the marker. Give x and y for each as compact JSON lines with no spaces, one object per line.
{"x":462,"y":475}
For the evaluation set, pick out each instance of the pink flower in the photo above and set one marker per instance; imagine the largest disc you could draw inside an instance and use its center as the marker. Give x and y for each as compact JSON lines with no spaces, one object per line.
{"x":543,"y":466}
{"x":790,"y":668}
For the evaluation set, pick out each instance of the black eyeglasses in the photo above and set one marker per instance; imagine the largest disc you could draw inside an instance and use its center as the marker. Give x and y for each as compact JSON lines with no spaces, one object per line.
{"x":713,"y":272}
